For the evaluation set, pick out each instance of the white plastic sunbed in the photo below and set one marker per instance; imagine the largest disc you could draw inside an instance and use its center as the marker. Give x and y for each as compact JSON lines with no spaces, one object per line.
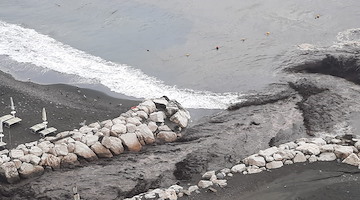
{"x":12,"y":121}
{"x":37,"y":127}
{"x":47,"y":131}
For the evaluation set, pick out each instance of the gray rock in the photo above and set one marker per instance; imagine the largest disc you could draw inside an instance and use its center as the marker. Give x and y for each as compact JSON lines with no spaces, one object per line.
{"x":50,"y":160}
{"x":207,"y":175}
{"x":309,"y":148}
{"x":145,"y":134}
{"x":142,"y":114}
{"x":16,"y":153}
{"x":69,"y":159}
{"x":327,"y":148}
{"x":90,"y":139}
{"x":238,"y":168}
{"x":220,"y":183}
{"x":27,"y":170}
{"x":318,"y":141}
{"x":37,"y":151}
{"x":101,"y":151}
{"x":9,"y":172}
{"x":45,"y":146}
{"x":85,"y":130}
{"x":255,"y":160}
{"x":30,"y":158}
{"x":268,"y":152}
{"x":131,"y":128}
{"x":150,"y":105}
{"x":133,"y":120}
{"x":205,"y":184}
{"x":152,"y":126}
{"x":357,"y":145}
{"x":312,"y":159}
{"x":105,"y":131}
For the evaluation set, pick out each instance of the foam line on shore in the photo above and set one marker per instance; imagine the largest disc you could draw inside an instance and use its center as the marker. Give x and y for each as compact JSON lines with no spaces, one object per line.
{"x":28,"y":46}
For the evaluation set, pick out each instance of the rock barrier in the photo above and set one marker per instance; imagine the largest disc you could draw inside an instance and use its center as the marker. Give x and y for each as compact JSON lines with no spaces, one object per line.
{"x":343,"y":149}
{"x":153,"y":121}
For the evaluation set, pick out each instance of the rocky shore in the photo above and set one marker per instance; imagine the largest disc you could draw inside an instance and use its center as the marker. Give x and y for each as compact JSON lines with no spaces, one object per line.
{"x":303,"y":106}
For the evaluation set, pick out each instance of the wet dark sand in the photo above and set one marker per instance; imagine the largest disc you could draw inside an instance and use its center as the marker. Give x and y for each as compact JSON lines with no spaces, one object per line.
{"x":301,"y":181}
{"x":67,"y":106}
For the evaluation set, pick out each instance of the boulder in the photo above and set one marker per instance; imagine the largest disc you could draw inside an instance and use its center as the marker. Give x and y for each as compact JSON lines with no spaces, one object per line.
{"x":50,"y":160}
{"x":107,"y":123}
{"x":166,"y":136}
{"x":255,"y":160}
{"x":172,"y":107}
{"x":144,"y":133}
{"x":312,"y":159}
{"x":268,"y":152}
{"x":45,"y":146}
{"x":181,"y":118}
{"x":157,"y":116}
{"x":207,"y":175}
{"x":342,"y":151}
{"x":16,"y":153}
{"x":220,"y":183}
{"x":84,"y":151}
{"x":277,"y":157}
{"x":326,"y":156}
{"x":117,"y":129}
{"x":95,"y":125}
{"x":309,"y":148}
{"x":152,"y":126}
{"x":71,"y":147}
{"x":133,"y":120}
{"x":253,"y":170}
{"x":61,"y":149}
{"x":150,"y":105}
{"x":9,"y":172}
{"x":274,"y":164}
{"x":317,"y":141}
{"x":164,"y":128}
{"x":205,"y":184}
{"x":357,"y":145}
{"x":27,"y":170}
{"x":299,"y":157}
{"x":352,"y":159}
{"x":17,"y":163}
{"x":131,"y":128}
{"x":238,"y":168}
{"x":142,"y":114}
{"x":327,"y":148}
{"x":105,"y":131}
{"x":160,"y":102}
{"x":69,"y":159}
{"x":85,"y":130}
{"x":118,"y":121}
{"x":101,"y":151}
{"x":77,"y":135}
{"x":90,"y":139}
{"x":114,"y":144}
{"x":287,"y":154}
{"x":131,"y":142}
{"x":31,"y":158}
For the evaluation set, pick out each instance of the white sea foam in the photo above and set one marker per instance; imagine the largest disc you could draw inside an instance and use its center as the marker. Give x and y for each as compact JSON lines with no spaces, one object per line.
{"x":28,"y":46}
{"x":348,"y":38}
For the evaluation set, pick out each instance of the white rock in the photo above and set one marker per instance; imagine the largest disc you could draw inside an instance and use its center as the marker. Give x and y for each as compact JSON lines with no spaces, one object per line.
{"x":253,"y":170}
{"x":288,"y":162}
{"x":342,"y":151}
{"x":9,"y":172}
{"x":152,"y":126}
{"x":164,"y":128}
{"x":274,"y":164}
{"x":27,"y":170}
{"x":207,"y":175}
{"x":317,"y":141}
{"x":91,"y":139}
{"x":268,"y":151}
{"x":45,"y":146}
{"x":157,"y":116}
{"x":114,"y":144}
{"x":118,"y":120}
{"x":225,"y":170}
{"x":177,"y":188}
{"x":15,"y":153}
{"x":70,"y":159}
{"x":352,"y":159}
{"x":181,"y":118}
{"x":335,"y":141}
{"x":166,"y":136}
{"x":77,"y":135}
{"x":299,"y":157}
{"x":30,"y":158}
{"x":308,"y":148}
{"x":142,"y":114}
{"x":50,"y":160}
{"x":277,"y":157}
{"x":161,"y":101}
{"x":357,"y":145}
{"x":169,"y":194}
{"x":150,"y":105}
{"x":327,"y":156}
{"x":221,"y":183}
{"x":133,"y":120}
{"x":95,"y":125}
{"x":145,"y":134}
{"x":192,"y":189}
{"x":101,"y":151}
{"x":238,"y":168}
{"x":130,"y":140}
{"x":204,"y":184}
{"x":37,"y":151}
{"x":286,"y":154}
{"x":269,"y":158}
{"x":84,"y":151}
{"x":118,"y":129}
{"x":327,"y":148}
{"x":85,"y":129}
{"x":131,"y":128}
{"x":256,"y":160}
{"x":17,"y":163}
{"x":312,"y":159}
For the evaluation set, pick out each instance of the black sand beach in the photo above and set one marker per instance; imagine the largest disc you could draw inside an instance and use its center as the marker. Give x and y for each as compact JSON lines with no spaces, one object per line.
{"x":66,"y":106}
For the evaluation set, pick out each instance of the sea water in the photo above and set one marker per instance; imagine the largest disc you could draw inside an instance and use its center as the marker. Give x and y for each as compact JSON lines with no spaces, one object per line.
{"x":205,"y":54}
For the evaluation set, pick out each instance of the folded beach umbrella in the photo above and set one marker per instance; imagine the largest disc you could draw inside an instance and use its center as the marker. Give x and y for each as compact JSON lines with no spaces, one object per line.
{"x":44,"y":115}
{"x":12,"y":104}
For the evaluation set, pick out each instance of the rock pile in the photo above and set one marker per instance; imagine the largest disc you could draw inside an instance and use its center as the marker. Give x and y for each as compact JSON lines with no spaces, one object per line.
{"x":152,"y":121}
{"x":345,"y":150}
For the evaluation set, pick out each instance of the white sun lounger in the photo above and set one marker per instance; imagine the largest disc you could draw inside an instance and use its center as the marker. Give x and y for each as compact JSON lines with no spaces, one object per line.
{"x":12,"y":121}
{"x":47,"y":131}
{"x":6,"y":117}
{"x":37,"y":127}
